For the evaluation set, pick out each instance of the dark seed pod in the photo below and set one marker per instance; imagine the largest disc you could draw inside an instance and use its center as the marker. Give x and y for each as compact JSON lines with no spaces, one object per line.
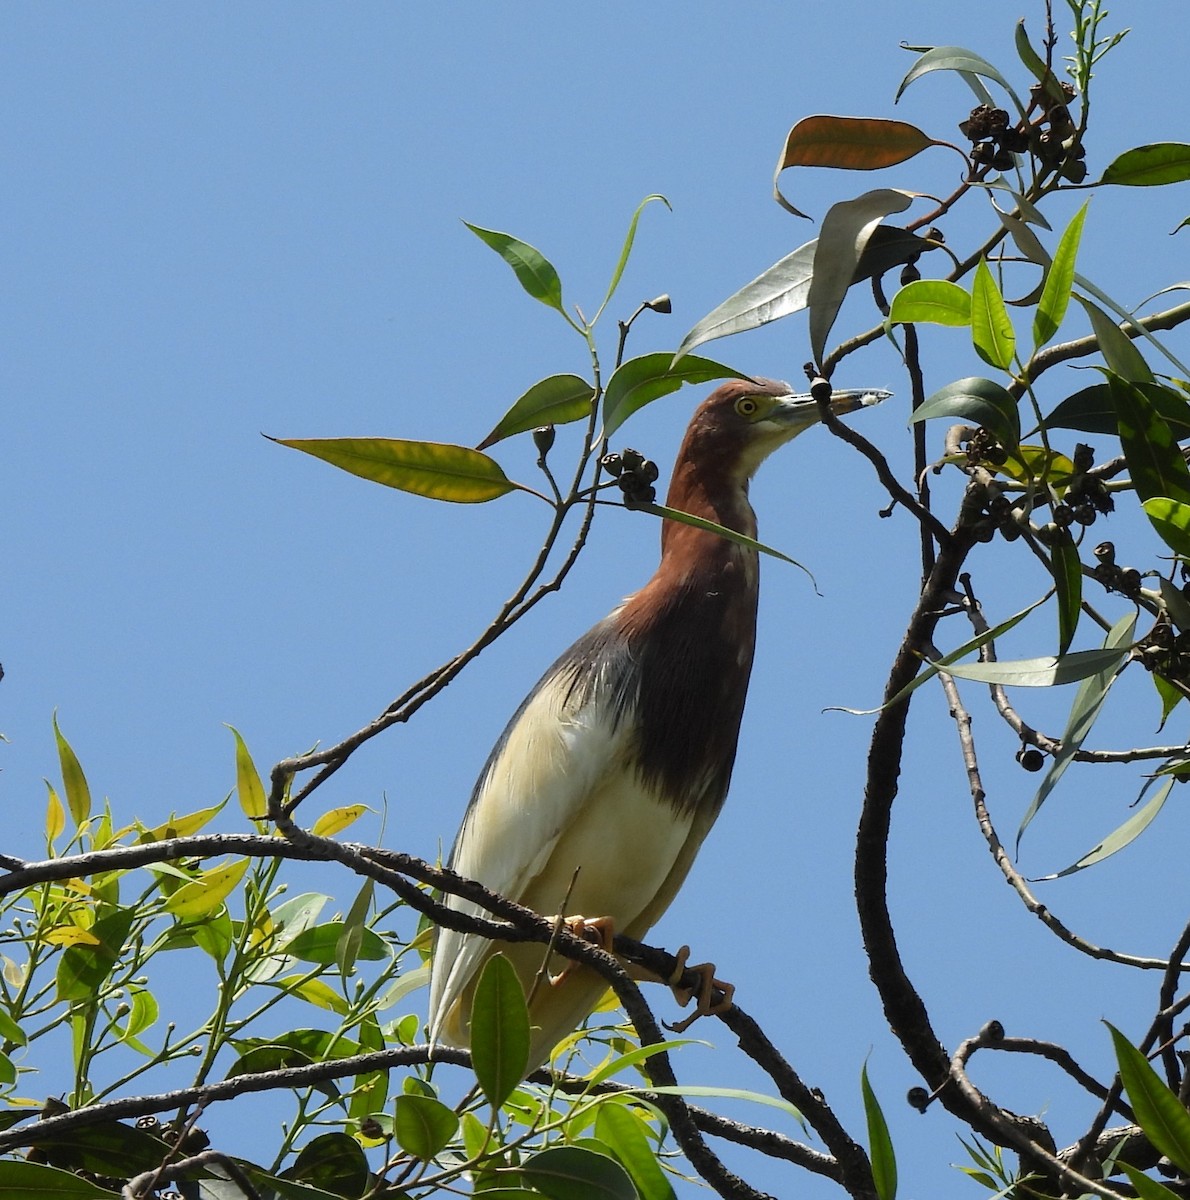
{"x":543,"y":439}
{"x":1085,"y":514}
{"x":632,"y":459}
{"x":613,"y":464}
{"x":1105,"y":552}
{"x":1030,"y":758}
{"x":919,"y":1098}
{"x":1003,"y":160}
{"x":1063,"y":515}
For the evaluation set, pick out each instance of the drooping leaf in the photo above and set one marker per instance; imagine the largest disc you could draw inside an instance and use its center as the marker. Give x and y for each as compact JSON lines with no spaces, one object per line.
{"x":434,"y":469}
{"x":499,"y":1030}
{"x":955,"y":58}
{"x":741,"y":539}
{"x":775,"y":293}
{"x":423,"y":1126}
{"x":1068,"y":586}
{"x":991,"y":327}
{"x":1155,"y":461}
{"x":1158,"y":1111}
{"x":557,"y":400}
{"x":880,"y":1147}
{"x":618,"y":1127}
{"x":931,"y":301}
{"x":1150,"y":166}
{"x":576,"y":1173}
{"x":1045,"y":671}
{"x":1088,"y":701}
{"x":1136,"y":328}
{"x":1171,"y":520}
{"x":1059,"y":279}
{"x":535,"y":272}
{"x":980,"y":401}
{"x":74,"y":782}
{"x":642,"y":380}
{"x":785,"y":287}
{"x":1121,"y":837}
{"x":1116,"y":346}
{"x":846,"y":229}
{"x":626,"y":249}
{"x":249,"y":788}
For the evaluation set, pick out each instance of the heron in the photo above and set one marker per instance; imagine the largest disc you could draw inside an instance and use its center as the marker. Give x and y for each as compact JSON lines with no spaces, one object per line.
{"x":598,"y":794}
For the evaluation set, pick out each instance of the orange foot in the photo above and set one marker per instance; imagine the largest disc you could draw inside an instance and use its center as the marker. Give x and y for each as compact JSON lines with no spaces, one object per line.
{"x":714,"y":995}
{"x":600,"y":931}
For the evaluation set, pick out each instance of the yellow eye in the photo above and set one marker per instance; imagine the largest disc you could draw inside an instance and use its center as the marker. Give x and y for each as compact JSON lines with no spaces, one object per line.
{"x":746,"y":406}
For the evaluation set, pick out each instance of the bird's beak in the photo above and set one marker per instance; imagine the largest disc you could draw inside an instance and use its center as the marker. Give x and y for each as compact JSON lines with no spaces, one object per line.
{"x":801,"y":411}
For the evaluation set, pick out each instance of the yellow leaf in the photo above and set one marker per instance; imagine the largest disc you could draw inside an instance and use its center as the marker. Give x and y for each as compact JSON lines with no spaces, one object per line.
{"x":202,"y":896}
{"x":182,"y":826}
{"x":338,"y":819}
{"x":317,"y":993}
{"x":78,"y":794}
{"x":248,"y":786}
{"x":71,"y":935}
{"x":55,"y":816}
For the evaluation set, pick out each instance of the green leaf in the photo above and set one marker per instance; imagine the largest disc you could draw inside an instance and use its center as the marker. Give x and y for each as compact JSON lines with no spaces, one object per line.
{"x":773,"y":294}
{"x":1059,"y":279}
{"x":334,"y":1162}
{"x":423,"y":1126}
{"x":626,"y":250}
{"x":955,"y":58}
{"x":991,"y":328}
{"x":1045,"y":671}
{"x":557,"y":400}
{"x":980,"y":401}
{"x":846,"y":229}
{"x":535,"y":272}
{"x":1171,"y":520}
{"x":249,"y":789}
{"x":1116,"y":346}
{"x":785,"y":287}
{"x":1066,"y":568}
{"x":349,"y":947}
{"x":880,"y":1148}
{"x":1146,"y":1188}
{"x":204,"y":894}
{"x":624,"y":1133}
{"x":931,"y":301}
{"x":1158,"y":1111}
{"x":1035,"y":64}
{"x":499,"y":1030}
{"x":1085,"y":710}
{"x":1155,"y":461}
{"x":74,"y":782}
{"x":1150,"y":166}
{"x":1091,"y":410}
{"x":741,"y":539}
{"x":642,"y":380}
{"x":22,"y":1180}
{"x":434,"y":469}
{"x":1121,"y":837}
{"x":944,"y":663}
{"x":83,"y":970}
{"x":576,"y":1173}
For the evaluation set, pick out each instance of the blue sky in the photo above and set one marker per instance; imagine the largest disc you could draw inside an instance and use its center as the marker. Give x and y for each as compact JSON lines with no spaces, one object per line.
{"x":228,"y":220}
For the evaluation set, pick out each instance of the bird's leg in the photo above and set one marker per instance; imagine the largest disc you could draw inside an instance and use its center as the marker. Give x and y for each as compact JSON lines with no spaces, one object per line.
{"x":600,"y":931}
{"x":714,"y":995}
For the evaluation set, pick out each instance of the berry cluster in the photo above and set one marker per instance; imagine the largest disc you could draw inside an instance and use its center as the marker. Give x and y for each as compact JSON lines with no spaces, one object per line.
{"x":1052,"y":137}
{"x":1113,"y":577}
{"x":1166,"y":651}
{"x":634,"y":474}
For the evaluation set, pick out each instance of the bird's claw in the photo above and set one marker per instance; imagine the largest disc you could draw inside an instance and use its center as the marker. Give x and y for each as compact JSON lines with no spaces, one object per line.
{"x":714,"y":995}
{"x":599,"y":931}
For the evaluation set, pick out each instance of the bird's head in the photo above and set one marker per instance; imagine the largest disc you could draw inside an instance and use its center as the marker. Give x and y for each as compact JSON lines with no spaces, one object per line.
{"x":742,"y":422}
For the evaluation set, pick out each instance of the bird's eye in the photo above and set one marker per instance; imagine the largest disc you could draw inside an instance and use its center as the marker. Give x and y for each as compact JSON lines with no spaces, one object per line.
{"x":746,"y":406}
